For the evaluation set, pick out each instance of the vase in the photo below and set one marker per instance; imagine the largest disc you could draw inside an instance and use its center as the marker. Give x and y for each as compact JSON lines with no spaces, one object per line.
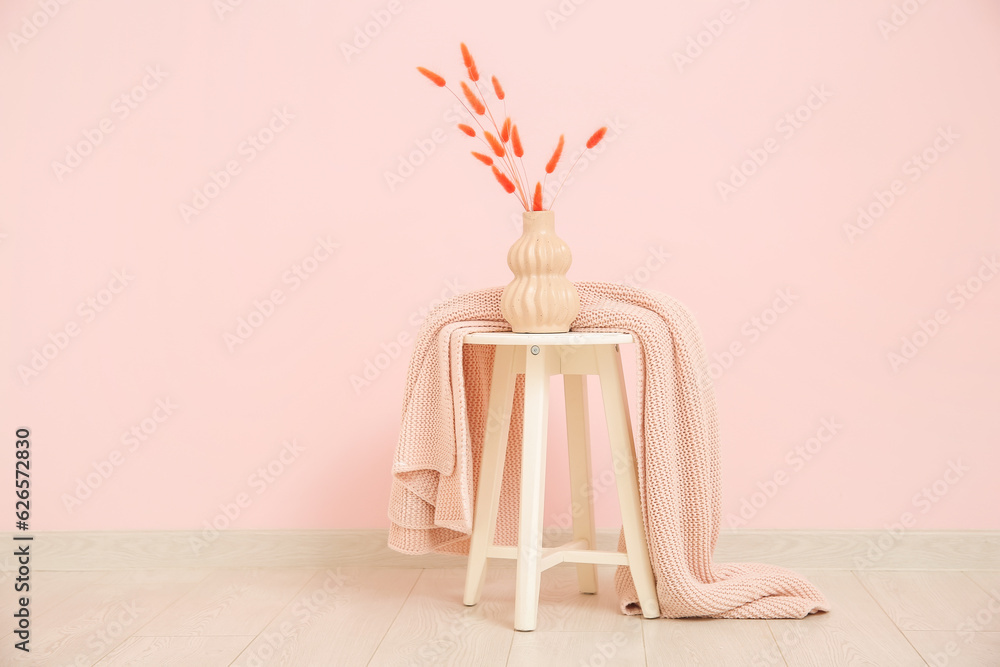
{"x":540,"y":299}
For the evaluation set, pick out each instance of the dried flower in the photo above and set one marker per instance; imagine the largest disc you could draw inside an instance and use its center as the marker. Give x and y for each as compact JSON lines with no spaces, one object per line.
{"x":432,"y":76}
{"x":477,"y":106}
{"x":470,"y":64}
{"x":596,"y":137}
{"x":515,"y":139}
{"x":497,"y":88}
{"x":504,"y":181}
{"x":494,"y":144}
{"x":507,"y":172}
{"x":554,"y":160}
{"x":485,"y":159}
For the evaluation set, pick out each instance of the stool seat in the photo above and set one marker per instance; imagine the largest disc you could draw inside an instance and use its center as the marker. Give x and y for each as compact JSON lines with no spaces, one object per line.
{"x":573,"y":355}
{"x":571,"y":338}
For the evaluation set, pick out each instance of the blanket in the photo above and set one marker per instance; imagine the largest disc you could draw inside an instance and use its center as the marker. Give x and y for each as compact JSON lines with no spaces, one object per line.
{"x":436,"y":464}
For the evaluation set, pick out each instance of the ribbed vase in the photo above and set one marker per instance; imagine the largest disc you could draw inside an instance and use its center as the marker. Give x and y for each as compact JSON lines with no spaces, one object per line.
{"x":540,"y":299}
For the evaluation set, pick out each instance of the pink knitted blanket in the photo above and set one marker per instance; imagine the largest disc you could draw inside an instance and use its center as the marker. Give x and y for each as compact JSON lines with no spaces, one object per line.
{"x":435,"y":470}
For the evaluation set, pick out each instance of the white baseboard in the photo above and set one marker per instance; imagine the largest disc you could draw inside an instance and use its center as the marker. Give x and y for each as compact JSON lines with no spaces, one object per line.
{"x":796,"y":549}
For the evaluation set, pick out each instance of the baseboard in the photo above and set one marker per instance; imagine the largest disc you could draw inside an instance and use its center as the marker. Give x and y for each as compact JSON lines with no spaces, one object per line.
{"x":796,"y":549}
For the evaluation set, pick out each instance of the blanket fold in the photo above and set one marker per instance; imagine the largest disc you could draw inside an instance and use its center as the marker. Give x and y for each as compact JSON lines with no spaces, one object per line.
{"x":436,"y":465}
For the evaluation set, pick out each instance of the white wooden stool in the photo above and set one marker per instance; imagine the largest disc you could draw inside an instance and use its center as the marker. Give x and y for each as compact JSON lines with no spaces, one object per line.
{"x":539,"y":356}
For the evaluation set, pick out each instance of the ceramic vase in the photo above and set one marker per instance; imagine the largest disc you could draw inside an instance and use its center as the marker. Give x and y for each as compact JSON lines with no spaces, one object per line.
{"x":540,"y":299}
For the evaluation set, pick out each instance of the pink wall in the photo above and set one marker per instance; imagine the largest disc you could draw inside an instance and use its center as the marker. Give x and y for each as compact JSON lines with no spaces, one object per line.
{"x":132,"y":296}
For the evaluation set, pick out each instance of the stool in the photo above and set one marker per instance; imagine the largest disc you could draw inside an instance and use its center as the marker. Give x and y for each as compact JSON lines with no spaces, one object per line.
{"x":539,"y":356}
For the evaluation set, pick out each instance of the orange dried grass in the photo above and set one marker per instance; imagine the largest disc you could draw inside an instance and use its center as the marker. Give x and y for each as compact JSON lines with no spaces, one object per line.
{"x":505,"y":168}
{"x":515,"y":140}
{"x":477,"y":106}
{"x":438,"y":80}
{"x":596,"y":137}
{"x":504,"y":181}
{"x":498,"y":89}
{"x":554,"y":160}
{"x":494,"y":144}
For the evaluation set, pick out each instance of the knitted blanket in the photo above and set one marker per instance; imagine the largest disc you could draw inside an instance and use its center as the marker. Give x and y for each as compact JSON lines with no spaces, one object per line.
{"x":435,"y":470}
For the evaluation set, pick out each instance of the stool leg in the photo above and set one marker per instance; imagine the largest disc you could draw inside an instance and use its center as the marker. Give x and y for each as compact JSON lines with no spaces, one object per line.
{"x":490,"y":471}
{"x":580,"y":479}
{"x":609,"y":363}
{"x":529,"y":541}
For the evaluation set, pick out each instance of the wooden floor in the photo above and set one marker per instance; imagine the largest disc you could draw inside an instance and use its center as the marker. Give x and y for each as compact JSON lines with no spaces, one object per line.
{"x":398,"y":616}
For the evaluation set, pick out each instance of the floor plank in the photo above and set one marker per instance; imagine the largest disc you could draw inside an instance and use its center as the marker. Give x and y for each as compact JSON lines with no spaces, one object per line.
{"x":855,"y":632}
{"x":246,"y":617}
{"x":562,"y":607}
{"x":988,"y":580}
{"x":228,"y":602}
{"x":955,"y":649}
{"x":46,"y":591}
{"x":148,"y":576}
{"x":552,"y":649}
{"x":84,"y":627}
{"x":338,"y":618}
{"x":176,"y":651}
{"x":434,"y":627}
{"x":927,"y":601}
{"x":708,"y":642}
